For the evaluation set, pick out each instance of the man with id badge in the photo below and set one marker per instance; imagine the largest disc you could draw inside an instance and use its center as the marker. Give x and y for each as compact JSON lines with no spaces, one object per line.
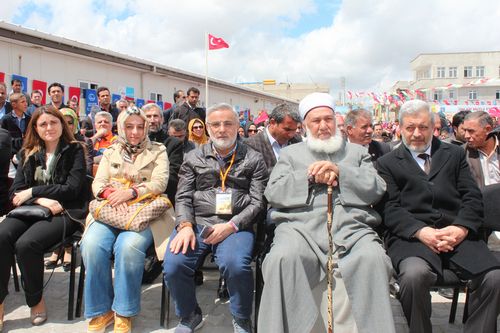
{"x":219,"y":199}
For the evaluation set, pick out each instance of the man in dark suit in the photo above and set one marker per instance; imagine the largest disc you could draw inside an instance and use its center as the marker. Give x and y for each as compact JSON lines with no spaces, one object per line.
{"x":175,"y":150}
{"x":359,"y":127}
{"x":433,"y":210}
{"x":280,"y":133}
{"x":5,"y":107}
{"x":169,"y":113}
{"x":189,"y":109}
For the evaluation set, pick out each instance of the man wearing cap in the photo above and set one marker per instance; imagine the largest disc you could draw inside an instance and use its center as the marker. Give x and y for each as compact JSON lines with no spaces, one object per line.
{"x":297,"y":262}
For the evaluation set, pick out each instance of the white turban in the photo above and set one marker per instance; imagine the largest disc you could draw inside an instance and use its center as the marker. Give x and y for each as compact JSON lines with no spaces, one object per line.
{"x":315,"y":100}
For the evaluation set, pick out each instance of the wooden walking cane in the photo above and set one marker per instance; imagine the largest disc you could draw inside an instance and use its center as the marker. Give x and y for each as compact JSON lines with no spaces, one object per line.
{"x":330,"y":264}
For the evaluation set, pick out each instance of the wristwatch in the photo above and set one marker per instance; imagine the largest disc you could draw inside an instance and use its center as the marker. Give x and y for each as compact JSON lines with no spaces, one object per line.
{"x":183,"y":225}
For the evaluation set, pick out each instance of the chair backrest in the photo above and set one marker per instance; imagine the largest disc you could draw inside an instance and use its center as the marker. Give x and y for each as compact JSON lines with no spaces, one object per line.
{"x":491,"y":200}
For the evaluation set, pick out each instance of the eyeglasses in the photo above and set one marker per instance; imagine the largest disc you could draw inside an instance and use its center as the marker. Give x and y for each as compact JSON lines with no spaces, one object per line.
{"x":217,"y":124}
{"x":184,"y":97}
{"x":197,"y":127}
{"x":252,"y":131}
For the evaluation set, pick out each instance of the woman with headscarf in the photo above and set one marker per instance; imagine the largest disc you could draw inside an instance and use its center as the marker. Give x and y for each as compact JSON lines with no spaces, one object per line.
{"x":74,"y":127}
{"x":144,"y":163}
{"x":250,"y":129}
{"x":197,"y":132}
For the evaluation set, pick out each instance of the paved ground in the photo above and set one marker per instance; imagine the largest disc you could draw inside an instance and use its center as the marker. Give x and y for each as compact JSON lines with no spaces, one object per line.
{"x":217,"y":318}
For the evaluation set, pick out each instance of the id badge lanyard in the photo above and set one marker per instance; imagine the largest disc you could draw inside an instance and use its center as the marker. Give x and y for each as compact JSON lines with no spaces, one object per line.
{"x":223,"y":176}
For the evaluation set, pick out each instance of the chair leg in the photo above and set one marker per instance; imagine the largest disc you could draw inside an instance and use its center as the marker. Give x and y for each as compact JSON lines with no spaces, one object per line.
{"x":259,"y":283}
{"x":15,"y":277}
{"x":79,"y":297}
{"x":162,"y":304}
{"x":71,"y":296}
{"x":466,"y":306}
{"x":454,"y":303}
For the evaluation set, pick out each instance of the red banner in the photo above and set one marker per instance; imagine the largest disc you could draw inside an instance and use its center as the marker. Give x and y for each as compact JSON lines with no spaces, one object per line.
{"x":2,"y":77}
{"x":42,"y":87}
{"x":166,"y":105}
{"x":150,"y":101}
{"x":129,"y":98}
{"x":74,"y":93}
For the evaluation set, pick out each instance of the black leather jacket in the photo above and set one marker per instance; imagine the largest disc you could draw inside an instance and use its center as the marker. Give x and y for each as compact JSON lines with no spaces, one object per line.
{"x":200,"y":180}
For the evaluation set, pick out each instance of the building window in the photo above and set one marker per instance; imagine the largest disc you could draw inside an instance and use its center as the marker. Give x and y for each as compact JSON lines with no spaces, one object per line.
{"x":438,"y":95}
{"x":467,"y":71}
{"x":155,"y":97}
{"x":86,"y":85}
{"x":497,"y":95}
{"x":441,"y":72}
{"x":472,"y":94}
{"x":452,"y":94}
{"x":453,"y":72}
{"x":480,"y":71}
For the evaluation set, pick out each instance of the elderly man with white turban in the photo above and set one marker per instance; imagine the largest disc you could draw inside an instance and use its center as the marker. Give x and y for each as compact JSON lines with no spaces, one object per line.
{"x":297,"y":262}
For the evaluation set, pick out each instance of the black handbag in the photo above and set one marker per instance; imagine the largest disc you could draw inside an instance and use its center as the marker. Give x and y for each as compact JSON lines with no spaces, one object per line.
{"x":30,"y":213}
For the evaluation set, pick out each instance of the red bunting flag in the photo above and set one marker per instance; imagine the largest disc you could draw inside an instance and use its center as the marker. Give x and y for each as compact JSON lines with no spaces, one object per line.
{"x":2,"y":77}
{"x":42,"y":87}
{"x":215,"y":43}
{"x":456,"y":102}
{"x":446,"y":102}
{"x":74,"y":93}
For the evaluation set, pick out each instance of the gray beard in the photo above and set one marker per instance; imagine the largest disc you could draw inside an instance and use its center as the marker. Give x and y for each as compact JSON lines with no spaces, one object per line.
{"x":328,"y":146}
{"x":421,"y":149}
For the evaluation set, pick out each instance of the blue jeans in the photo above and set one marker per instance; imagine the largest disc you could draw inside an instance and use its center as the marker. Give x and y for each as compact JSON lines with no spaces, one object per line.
{"x":99,"y":244}
{"x":233,"y":256}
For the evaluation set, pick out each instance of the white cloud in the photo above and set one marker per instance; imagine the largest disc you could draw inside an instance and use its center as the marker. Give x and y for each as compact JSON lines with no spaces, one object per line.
{"x":370,"y":43}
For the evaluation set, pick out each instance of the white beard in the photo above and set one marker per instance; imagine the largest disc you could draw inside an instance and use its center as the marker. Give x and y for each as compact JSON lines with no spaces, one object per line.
{"x":224,"y":144}
{"x":328,"y":146}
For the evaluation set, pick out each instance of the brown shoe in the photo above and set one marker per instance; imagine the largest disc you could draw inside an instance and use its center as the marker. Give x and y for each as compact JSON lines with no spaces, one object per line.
{"x":99,"y":324}
{"x":123,"y":324}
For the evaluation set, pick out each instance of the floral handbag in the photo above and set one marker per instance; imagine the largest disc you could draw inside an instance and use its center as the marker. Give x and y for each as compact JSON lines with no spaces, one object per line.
{"x":141,"y":211}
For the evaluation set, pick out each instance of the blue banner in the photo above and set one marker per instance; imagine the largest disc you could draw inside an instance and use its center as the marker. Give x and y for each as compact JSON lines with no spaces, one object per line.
{"x":116,"y":98}
{"x":246,"y":114}
{"x":129,"y":92}
{"x":24,"y":82}
{"x":90,"y":99}
{"x":160,"y":104}
{"x":139,"y":103}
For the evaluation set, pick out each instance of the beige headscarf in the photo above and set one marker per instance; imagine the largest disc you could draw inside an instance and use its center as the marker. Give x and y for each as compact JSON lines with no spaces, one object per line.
{"x":130,"y":152}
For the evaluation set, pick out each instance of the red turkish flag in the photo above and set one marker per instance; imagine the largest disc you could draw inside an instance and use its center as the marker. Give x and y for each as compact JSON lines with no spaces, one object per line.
{"x":42,"y":87}
{"x":215,"y":43}
{"x":477,"y":102}
{"x":74,"y":93}
{"x":2,"y":77}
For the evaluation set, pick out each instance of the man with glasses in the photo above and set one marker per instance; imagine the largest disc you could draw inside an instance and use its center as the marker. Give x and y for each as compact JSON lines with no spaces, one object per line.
{"x":219,"y":199}
{"x":280,"y":133}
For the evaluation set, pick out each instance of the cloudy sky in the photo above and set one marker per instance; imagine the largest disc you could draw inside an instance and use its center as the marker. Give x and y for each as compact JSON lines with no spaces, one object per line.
{"x":370,"y":43}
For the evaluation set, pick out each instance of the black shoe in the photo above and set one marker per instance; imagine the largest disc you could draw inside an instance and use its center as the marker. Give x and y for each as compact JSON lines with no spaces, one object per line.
{"x":190,"y":323}
{"x":198,"y":278}
{"x":446,"y":292}
{"x":66,"y":266}
{"x":51,"y":264}
{"x":242,"y":325}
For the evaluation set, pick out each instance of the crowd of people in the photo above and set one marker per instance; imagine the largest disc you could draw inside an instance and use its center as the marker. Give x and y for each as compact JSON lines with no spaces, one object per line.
{"x":403,"y":200}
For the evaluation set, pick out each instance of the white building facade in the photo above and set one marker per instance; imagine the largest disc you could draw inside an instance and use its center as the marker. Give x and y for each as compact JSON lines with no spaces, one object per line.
{"x":38,"y":56}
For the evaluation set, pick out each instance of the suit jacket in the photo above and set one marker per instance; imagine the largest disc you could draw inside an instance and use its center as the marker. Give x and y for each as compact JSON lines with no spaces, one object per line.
{"x":448,"y":195}
{"x":260,"y":142}
{"x":475,"y":164}
{"x":377,"y":149}
{"x":175,"y":152}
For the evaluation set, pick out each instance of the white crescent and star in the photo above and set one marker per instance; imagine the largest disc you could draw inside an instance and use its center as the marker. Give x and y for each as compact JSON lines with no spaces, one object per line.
{"x":211,"y":41}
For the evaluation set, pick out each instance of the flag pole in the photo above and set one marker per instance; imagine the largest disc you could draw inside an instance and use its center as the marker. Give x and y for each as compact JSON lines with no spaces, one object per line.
{"x":206,"y":70}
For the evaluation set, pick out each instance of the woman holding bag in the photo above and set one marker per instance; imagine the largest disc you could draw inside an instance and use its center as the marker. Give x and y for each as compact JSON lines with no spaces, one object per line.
{"x":144,"y":164}
{"x":51,"y":173}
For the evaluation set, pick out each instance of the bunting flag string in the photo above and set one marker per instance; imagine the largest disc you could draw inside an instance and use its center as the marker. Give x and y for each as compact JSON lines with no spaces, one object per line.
{"x":402,"y":95}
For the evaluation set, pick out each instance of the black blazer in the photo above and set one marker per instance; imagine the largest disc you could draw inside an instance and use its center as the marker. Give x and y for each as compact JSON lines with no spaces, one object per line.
{"x":447,"y":196}
{"x":377,"y":149}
